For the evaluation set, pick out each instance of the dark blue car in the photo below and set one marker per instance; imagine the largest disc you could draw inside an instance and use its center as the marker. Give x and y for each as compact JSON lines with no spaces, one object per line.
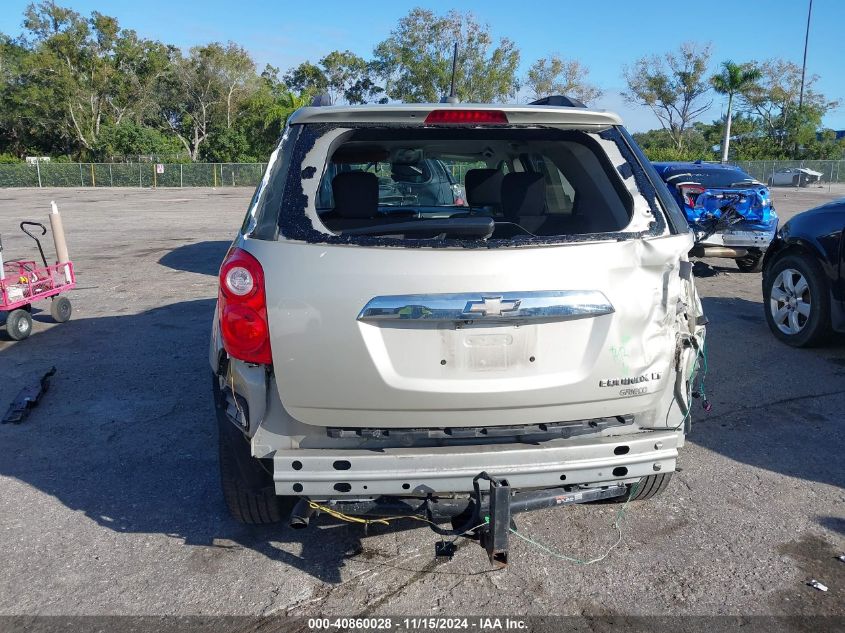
{"x":730,"y":212}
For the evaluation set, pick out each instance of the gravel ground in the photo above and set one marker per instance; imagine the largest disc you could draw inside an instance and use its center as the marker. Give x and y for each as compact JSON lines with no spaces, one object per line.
{"x":109,"y":502}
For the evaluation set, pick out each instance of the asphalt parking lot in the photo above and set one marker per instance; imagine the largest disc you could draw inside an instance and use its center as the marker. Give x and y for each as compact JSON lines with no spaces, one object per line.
{"x":109,"y":502}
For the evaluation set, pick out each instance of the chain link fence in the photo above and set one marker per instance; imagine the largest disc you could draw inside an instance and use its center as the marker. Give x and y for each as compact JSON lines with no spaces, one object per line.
{"x":833,"y":171}
{"x":131,"y":174}
{"x":249,"y":174}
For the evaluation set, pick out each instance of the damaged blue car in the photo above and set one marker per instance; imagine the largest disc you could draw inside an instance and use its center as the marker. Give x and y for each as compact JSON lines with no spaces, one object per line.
{"x":730,"y":212}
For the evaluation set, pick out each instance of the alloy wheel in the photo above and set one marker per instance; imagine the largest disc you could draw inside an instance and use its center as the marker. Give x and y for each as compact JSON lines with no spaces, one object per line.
{"x":790,"y":301}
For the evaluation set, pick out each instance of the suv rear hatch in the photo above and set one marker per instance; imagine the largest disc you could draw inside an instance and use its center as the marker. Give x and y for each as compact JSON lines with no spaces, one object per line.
{"x":549,"y":298}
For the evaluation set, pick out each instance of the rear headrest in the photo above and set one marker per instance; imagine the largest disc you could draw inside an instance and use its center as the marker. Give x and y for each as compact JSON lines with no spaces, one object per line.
{"x":523,"y":193}
{"x":483,"y":187}
{"x":355,"y":194}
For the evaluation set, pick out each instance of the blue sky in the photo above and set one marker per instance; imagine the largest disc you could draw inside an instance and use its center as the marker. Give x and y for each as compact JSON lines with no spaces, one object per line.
{"x":603,"y":35}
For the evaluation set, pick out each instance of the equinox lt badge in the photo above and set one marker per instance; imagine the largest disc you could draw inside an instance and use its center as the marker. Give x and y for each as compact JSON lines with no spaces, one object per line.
{"x":635,"y":380}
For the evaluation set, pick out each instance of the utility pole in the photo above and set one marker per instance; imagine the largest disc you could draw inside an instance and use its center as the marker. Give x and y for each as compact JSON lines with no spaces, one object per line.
{"x":804,"y":65}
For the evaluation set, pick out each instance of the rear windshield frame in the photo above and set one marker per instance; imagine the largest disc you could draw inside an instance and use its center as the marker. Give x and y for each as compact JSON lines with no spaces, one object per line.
{"x":293,"y":222}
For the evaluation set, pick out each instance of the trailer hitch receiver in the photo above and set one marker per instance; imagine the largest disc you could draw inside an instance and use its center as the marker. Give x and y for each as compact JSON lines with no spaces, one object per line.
{"x":494,"y":534}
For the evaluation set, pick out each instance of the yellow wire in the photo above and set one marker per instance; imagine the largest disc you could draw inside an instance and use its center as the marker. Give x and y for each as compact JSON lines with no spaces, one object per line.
{"x":351,"y":519}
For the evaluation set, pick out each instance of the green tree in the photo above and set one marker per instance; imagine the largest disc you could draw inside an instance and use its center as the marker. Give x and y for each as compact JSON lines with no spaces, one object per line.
{"x":235,"y":72}
{"x":19,"y":129}
{"x":204,"y":92}
{"x":307,"y":78}
{"x":554,"y":75}
{"x":774,"y":98}
{"x":90,"y":70}
{"x":415,"y":61}
{"x":349,"y":77}
{"x":732,"y":80}
{"x":259,"y":123}
{"x":129,"y":138}
{"x":343,"y":75}
{"x":673,"y":87}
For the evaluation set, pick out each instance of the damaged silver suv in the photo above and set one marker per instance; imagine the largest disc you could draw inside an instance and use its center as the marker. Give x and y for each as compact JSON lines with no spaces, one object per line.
{"x":531,"y":343}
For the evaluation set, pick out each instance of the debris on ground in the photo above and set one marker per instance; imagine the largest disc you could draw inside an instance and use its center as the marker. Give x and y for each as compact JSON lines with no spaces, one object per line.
{"x":815,"y":584}
{"x":703,"y":269}
{"x":27,"y":398}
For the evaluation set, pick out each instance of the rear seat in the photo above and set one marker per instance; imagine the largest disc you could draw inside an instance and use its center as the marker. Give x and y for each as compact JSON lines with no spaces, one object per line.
{"x":483,"y":189}
{"x":524,"y":203}
{"x":355,"y":201}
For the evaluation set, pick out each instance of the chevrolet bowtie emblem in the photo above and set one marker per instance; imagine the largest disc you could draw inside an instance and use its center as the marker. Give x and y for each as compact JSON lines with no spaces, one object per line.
{"x":492,"y":306}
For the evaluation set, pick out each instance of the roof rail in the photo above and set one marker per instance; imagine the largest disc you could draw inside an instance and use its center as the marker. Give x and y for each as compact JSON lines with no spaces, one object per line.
{"x":321,"y":100}
{"x":559,"y":100}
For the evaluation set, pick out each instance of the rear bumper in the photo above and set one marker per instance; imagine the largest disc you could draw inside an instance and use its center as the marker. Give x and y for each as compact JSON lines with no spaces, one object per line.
{"x":325,"y":473}
{"x":742,"y":237}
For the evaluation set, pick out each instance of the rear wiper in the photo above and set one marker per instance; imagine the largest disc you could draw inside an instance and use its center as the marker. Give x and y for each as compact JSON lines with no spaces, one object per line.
{"x":471,"y":227}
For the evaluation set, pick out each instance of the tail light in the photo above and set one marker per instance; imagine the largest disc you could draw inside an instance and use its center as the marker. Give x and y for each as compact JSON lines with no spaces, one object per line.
{"x":243,"y":308}
{"x":690,"y":193}
{"x":467,"y":117}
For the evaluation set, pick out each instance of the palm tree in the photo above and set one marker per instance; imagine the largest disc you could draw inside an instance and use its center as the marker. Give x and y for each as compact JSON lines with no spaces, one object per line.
{"x":732,"y":80}
{"x":284,"y":104}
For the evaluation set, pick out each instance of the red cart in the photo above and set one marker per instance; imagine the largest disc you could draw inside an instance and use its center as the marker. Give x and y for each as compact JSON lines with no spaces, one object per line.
{"x":24,"y":282}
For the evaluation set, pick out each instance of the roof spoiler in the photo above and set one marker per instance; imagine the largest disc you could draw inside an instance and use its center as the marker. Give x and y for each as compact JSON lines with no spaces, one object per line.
{"x":559,"y":100}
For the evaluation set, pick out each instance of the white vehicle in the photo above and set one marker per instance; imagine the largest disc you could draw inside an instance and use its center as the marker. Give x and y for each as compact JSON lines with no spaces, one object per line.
{"x":379,"y":358}
{"x":794,"y":177}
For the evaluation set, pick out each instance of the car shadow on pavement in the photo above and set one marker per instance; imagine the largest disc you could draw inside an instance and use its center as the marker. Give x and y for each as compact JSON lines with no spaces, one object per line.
{"x":127,"y":435}
{"x":775,"y":407}
{"x":202,"y":257}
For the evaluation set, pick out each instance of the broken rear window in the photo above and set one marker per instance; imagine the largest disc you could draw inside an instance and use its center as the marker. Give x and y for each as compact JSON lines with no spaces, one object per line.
{"x":444,"y":186}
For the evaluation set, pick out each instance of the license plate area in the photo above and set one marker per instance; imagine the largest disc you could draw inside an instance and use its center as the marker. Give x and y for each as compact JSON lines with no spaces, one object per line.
{"x":482,"y":348}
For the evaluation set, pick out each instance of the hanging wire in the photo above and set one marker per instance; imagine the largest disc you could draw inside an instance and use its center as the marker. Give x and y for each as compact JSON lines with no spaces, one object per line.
{"x":618,"y":522}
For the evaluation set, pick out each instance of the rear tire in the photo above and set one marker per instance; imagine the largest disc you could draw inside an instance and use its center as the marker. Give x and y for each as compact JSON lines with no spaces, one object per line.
{"x":246,"y":482}
{"x":18,"y":324}
{"x":651,"y":486}
{"x":60,"y":309}
{"x":648,"y":487}
{"x":751,"y":263}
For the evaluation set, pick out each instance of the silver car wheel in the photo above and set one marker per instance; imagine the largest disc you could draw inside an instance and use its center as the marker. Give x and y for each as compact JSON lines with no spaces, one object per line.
{"x":790,"y":301}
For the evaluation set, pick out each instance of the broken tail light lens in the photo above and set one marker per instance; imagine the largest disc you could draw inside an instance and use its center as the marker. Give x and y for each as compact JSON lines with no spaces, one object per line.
{"x":242,"y":305}
{"x":690,"y":193}
{"x":466,"y":117}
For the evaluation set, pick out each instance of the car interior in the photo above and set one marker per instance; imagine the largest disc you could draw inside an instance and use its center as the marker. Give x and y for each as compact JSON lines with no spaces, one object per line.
{"x":526,"y":183}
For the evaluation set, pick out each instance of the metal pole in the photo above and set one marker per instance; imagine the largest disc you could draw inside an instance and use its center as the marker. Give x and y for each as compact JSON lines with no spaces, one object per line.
{"x":804,"y":65}
{"x":93,"y":179}
{"x":38,"y":169}
{"x":81,"y":179}
{"x":111,"y":180}
{"x":140,"y":176}
{"x":180,"y":175}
